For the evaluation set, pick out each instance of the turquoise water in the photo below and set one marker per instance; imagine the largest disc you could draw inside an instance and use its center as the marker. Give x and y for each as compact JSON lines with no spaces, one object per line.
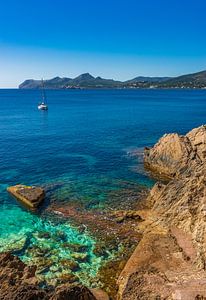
{"x":80,"y":151}
{"x":45,"y":243}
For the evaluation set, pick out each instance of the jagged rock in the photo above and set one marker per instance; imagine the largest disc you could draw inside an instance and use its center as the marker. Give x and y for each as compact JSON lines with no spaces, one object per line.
{"x":70,"y":264}
{"x":18,"y":282}
{"x":197,"y":139}
{"x":121,"y":216}
{"x":12,"y":268}
{"x":31,"y":196}
{"x":44,"y":235}
{"x":24,"y":292}
{"x":100,"y":250}
{"x":182,"y":202}
{"x":73,"y":292}
{"x":67,"y":278}
{"x":173,"y":153}
{"x":80,"y":257}
{"x":99,"y":294}
{"x":15,"y":244}
{"x":170,"y":260}
{"x":75,"y":247}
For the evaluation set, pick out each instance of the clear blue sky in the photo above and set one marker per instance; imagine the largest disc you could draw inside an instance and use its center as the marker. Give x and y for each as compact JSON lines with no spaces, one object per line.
{"x":110,"y":38}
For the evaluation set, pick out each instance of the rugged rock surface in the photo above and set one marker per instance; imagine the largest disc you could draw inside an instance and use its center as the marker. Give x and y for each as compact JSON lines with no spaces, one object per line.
{"x":174,"y":154}
{"x":170,"y":260}
{"x":72,"y":292}
{"x":31,"y":196}
{"x":18,"y":282}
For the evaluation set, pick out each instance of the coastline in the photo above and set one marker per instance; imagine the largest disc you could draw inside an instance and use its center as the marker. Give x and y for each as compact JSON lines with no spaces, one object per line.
{"x":173,"y":230}
{"x":86,"y":80}
{"x":112,"y":88}
{"x":167,"y":225}
{"x":114,"y":229}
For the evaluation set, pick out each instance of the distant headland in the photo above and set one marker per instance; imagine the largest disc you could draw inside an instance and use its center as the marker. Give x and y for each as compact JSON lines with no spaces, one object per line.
{"x":87,"y":81}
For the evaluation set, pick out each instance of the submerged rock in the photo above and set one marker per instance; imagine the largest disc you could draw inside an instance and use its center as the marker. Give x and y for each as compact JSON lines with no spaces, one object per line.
{"x":75,"y":247}
{"x":70,"y":264}
{"x":15,"y":244}
{"x":18,"y":282}
{"x":31,"y":196}
{"x":100,"y":250}
{"x":121,"y":216}
{"x":44,"y":235}
{"x":67,"y":278}
{"x":60,"y":236}
{"x":80,"y":257}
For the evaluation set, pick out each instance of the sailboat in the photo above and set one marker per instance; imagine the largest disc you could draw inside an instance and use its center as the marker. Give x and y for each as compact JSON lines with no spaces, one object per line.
{"x":43,"y":105}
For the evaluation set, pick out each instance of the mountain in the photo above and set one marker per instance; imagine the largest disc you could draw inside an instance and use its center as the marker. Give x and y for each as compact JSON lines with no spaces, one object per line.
{"x":86,"y":80}
{"x":148,"y":79}
{"x":30,"y":84}
{"x":54,"y":83}
{"x":195,"y":79}
{"x":84,"y":77}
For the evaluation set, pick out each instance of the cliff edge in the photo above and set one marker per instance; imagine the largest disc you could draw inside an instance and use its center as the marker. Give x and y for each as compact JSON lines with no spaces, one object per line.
{"x":170,"y":260}
{"x":174,"y":154}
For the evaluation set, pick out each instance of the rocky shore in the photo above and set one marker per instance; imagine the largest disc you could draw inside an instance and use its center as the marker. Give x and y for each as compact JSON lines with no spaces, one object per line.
{"x":114,"y":231}
{"x":18,"y":282}
{"x":169,"y":261}
{"x":164,"y":229}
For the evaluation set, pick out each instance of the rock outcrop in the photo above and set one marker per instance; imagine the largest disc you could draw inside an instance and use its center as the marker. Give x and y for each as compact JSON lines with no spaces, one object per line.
{"x":72,"y":292}
{"x":170,"y":260}
{"x":31,"y":196}
{"x":174,"y":153}
{"x":18,"y":282}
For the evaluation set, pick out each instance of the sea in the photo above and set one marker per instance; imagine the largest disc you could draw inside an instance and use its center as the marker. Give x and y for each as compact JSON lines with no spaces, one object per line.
{"x":88,"y":143}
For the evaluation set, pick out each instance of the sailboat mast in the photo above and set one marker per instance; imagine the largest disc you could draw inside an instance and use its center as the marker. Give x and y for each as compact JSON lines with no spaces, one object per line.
{"x":43,"y":91}
{"x":43,"y":105}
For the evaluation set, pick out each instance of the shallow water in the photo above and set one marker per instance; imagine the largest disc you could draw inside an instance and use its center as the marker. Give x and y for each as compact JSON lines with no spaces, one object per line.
{"x":80,"y":151}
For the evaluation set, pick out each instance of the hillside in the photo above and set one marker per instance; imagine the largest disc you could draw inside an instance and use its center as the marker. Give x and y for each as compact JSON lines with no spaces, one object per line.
{"x":189,"y":80}
{"x":86,"y":80}
{"x":148,"y":79}
{"x":82,"y":81}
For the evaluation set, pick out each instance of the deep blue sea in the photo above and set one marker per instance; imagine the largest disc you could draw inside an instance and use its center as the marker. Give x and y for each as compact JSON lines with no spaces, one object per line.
{"x":82,"y":148}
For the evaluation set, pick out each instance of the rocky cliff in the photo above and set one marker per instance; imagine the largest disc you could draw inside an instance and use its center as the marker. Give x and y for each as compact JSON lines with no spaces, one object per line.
{"x":174,"y":154}
{"x":170,"y":260}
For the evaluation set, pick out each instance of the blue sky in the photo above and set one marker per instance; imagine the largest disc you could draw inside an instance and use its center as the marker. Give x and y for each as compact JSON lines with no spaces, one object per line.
{"x":113,"y":39}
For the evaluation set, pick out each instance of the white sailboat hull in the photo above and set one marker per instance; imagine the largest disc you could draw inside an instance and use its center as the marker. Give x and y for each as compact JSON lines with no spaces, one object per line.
{"x":42,"y":106}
